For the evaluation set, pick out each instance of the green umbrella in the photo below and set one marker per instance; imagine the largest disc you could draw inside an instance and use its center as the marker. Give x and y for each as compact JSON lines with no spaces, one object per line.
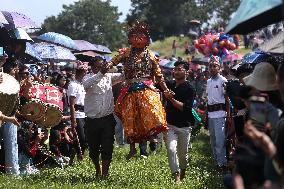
{"x":255,"y":14}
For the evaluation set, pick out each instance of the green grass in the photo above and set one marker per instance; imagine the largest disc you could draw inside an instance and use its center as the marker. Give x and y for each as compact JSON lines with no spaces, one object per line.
{"x":164,"y":47}
{"x":139,"y":173}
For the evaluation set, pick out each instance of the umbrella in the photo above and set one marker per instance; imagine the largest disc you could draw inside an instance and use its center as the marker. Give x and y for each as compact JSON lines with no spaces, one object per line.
{"x":20,"y":34}
{"x":103,"y":49}
{"x":31,"y":51}
{"x":201,"y":60}
{"x":53,"y":52}
{"x":3,"y":20}
{"x":274,"y":45}
{"x":170,"y":64}
{"x":58,"y":39}
{"x":255,"y":14}
{"x":86,"y":56}
{"x":232,"y":57}
{"x":17,"y":20}
{"x":163,"y":62}
{"x":83,"y":45}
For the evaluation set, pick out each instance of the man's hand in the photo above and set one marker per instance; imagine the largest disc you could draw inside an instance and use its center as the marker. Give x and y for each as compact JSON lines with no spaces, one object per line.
{"x":66,"y":118}
{"x":169,"y":94}
{"x":15,"y":121}
{"x":105,"y":67}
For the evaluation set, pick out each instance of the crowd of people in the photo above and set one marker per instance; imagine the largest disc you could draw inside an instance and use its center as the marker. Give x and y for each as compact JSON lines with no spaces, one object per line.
{"x":242,"y":109}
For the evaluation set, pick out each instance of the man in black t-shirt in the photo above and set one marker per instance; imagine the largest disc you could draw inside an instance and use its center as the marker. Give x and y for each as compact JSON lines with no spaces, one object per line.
{"x":180,"y":119}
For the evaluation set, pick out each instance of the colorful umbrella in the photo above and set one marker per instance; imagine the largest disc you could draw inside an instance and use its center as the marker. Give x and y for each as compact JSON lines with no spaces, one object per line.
{"x":17,"y":20}
{"x":255,"y":14}
{"x":58,"y":39}
{"x":53,"y":52}
{"x":83,"y":45}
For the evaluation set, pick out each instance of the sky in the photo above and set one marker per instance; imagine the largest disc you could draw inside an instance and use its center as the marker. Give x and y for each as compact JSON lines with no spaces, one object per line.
{"x":38,"y":10}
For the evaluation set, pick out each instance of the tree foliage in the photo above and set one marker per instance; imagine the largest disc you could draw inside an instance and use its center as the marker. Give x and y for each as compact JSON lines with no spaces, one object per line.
{"x":167,"y":17}
{"x":93,"y":20}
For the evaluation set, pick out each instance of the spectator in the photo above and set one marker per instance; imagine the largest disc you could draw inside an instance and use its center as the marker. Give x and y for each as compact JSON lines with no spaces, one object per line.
{"x":76,"y":94}
{"x":99,"y":107}
{"x":217,"y":112}
{"x":10,"y":130}
{"x":179,"y":119}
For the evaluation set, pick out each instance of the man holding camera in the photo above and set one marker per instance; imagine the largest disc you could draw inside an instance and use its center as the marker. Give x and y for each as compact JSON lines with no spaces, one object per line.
{"x":217,"y":112}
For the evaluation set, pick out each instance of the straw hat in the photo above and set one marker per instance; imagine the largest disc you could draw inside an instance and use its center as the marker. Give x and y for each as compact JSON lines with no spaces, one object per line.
{"x":263,"y":77}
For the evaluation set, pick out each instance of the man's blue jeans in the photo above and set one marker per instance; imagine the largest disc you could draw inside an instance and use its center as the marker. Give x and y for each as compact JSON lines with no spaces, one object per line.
{"x":217,"y":139}
{"x":119,"y":131}
{"x":11,"y":148}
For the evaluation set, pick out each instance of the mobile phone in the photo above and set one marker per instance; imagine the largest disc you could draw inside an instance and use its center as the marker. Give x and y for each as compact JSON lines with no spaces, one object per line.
{"x":1,"y":51}
{"x":258,"y":113}
{"x":38,"y":130}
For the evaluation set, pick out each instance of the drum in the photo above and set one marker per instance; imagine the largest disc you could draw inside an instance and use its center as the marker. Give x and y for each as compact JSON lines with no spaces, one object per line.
{"x":9,"y":93}
{"x":33,"y":110}
{"x":52,"y":117}
{"x":53,"y":96}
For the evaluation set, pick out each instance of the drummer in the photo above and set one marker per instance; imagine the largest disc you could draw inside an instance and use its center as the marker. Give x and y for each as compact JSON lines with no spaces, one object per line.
{"x":76,"y":94}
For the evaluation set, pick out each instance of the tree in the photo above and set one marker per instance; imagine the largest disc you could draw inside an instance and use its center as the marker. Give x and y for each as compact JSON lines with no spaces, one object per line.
{"x":167,"y":17}
{"x":92,"y":20}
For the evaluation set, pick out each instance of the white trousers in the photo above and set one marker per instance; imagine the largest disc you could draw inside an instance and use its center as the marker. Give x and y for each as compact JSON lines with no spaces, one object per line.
{"x":177,"y":143}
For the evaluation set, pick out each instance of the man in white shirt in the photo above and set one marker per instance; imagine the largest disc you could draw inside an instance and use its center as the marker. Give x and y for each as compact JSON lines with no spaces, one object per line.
{"x":76,"y":94}
{"x":217,"y":111}
{"x":99,"y":107}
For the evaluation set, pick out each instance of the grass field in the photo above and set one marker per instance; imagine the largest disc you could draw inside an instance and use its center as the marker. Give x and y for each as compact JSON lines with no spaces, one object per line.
{"x":139,"y":173}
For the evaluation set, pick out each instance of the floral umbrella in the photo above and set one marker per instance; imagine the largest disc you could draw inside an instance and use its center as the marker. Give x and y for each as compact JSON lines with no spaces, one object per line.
{"x":17,"y":20}
{"x":53,"y":52}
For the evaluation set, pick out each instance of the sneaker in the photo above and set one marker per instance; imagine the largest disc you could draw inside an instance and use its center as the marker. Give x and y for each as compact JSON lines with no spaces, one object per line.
{"x":143,"y":156}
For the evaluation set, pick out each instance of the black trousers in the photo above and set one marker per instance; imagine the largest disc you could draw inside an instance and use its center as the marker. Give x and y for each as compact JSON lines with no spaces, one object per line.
{"x":100,"y":137}
{"x":80,"y":129}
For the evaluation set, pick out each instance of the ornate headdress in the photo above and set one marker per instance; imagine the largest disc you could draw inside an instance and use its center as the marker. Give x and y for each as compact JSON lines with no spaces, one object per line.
{"x":138,"y":35}
{"x":139,"y":27}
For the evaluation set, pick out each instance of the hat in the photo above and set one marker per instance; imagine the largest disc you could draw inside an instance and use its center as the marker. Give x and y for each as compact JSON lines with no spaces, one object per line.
{"x":215,"y":60}
{"x":263,"y":77}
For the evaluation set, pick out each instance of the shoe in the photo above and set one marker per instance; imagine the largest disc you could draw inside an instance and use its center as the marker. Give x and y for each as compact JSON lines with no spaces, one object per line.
{"x":143,"y":156}
{"x":131,"y":154}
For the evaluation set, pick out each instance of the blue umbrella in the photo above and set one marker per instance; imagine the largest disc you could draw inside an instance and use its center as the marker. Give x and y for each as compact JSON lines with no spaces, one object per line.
{"x":170,"y":64}
{"x":30,"y":50}
{"x":58,"y":39}
{"x":53,"y":52}
{"x":103,"y":49}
